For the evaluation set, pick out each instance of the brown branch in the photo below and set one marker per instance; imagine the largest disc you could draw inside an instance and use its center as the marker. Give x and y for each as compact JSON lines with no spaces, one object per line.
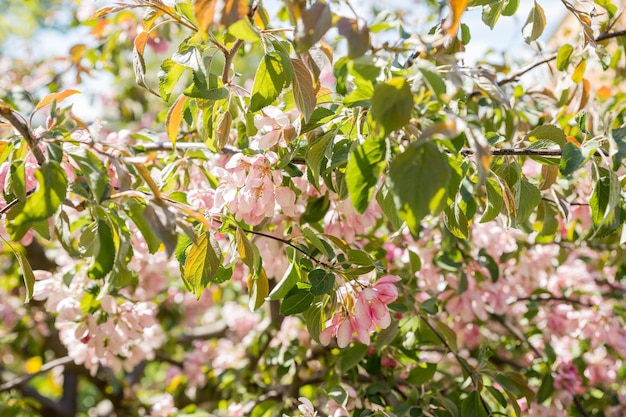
{"x":27,"y":377}
{"x":516,"y":152}
{"x":22,"y":128}
{"x":611,"y":35}
{"x":228,"y":60}
{"x":554,"y":298}
{"x":168,"y":146}
{"x":515,"y":75}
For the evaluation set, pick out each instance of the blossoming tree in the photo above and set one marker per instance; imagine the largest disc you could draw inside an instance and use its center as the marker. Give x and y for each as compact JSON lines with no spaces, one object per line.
{"x":292,"y":209}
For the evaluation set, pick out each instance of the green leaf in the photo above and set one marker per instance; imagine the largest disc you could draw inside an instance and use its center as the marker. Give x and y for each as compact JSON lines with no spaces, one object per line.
{"x":422,"y":374}
{"x":243,"y":29}
{"x":363,"y":171}
{"x":297,"y":301}
{"x":392,"y":105}
{"x":543,"y":145}
{"x":527,"y":198}
{"x":317,"y":243}
{"x":448,"y":334}
{"x":202,"y":263}
{"x":618,"y":146}
{"x":322,"y":282}
{"x":319,"y":117}
{"x":97,"y":241}
{"x":546,"y":389}
{"x":535,"y":23}
{"x":456,"y":221}
{"x":94,"y":172}
{"x":42,"y":204}
{"x":492,"y":12}
{"x":497,"y":395}
{"x":168,"y":77}
{"x":434,"y":80}
{"x":27,"y":272}
{"x":313,"y":320}
{"x":258,"y":289}
{"x":264,"y":408}
{"x":290,"y":278}
{"x":510,"y":7}
{"x":352,"y":356}
{"x":319,"y":150}
{"x":563,"y":57}
{"x":493,"y":204}
{"x":246,"y":250}
{"x":273,"y":74}
{"x":385,"y":200}
{"x":572,"y":158}
{"x":316,"y":209}
{"x":605,"y":213}
{"x":472,"y":406}
{"x":361,"y":95}
{"x":419,"y":179}
{"x":548,"y":132}
{"x":182,"y":250}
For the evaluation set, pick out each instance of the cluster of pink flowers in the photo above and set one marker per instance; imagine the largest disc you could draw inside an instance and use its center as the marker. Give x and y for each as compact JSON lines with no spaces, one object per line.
{"x":118,"y":336}
{"x":370,"y":312}
{"x":252,"y":190}
{"x":343,"y":220}
{"x":276,"y":127}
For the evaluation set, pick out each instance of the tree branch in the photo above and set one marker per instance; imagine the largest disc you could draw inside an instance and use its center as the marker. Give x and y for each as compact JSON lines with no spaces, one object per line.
{"x":25,"y":378}
{"x":611,"y":35}
{"x":22,"y":128}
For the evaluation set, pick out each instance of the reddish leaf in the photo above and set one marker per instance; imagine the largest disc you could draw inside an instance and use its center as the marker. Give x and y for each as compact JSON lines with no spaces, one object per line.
{"x":303,"y":89}
{"x":358,"y":37}
{"x":316,"y":20}
{"x":174,"y":118}
{"x":233,"y":11}
{"x":140,"y":42}
{"x":103,"y":11}
{"x":59,"y":97}
{"x":205,"y":12}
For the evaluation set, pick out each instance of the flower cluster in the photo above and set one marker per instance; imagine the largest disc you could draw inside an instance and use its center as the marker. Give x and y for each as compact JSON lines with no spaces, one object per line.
{"x":370,"y":312}
{"x":251,"y":189}
{"x":118,"y":336}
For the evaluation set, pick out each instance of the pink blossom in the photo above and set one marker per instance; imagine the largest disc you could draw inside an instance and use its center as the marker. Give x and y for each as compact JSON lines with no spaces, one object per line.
{"x":343,"y":220}
{"x":163,"y":406}
{"x":306,"y":407}
{"x":276,"y":127}
{"x":567,"y":382}
{"x":343,"y":328}
{"x":251,"y":189}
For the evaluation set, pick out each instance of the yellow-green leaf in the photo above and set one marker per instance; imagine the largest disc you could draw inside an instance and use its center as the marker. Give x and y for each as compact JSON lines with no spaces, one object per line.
{"x":535,"y":24}
{"x":579,"y":72}
{"x":258,"y":289}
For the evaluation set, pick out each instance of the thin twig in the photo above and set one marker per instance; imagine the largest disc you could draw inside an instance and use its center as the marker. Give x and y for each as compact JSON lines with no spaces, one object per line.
{"x":554,"y":298}
{"x":611,"y":35}
{"x":444,"y":341}
{"x":45,"y":368}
